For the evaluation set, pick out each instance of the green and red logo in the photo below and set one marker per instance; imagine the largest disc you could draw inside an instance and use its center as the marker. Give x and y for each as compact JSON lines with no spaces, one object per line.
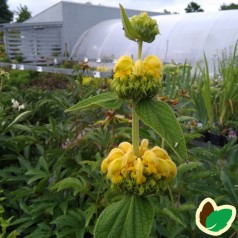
{"x":212,"y":219}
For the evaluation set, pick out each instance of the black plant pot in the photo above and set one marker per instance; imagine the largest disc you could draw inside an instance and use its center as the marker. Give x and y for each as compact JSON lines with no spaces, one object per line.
{"x":205,"y":136}
{"x":218,"y":140}
{"x":202,"y":140}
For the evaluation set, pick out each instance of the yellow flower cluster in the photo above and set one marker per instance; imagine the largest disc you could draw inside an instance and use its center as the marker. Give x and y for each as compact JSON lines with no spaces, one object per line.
{"x":151,"y":66}
{"x":152,"y":164}
{"x":139,"y":79}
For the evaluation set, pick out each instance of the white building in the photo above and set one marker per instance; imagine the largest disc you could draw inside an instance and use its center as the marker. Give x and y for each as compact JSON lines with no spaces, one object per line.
{"x":55,"y":31}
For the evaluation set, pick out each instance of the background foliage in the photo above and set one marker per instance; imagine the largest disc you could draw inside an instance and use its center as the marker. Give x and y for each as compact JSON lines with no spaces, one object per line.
{"x":50,"y":160}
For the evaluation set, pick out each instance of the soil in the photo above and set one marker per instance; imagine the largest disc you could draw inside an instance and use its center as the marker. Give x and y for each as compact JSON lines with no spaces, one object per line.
{"x":50,"y":83}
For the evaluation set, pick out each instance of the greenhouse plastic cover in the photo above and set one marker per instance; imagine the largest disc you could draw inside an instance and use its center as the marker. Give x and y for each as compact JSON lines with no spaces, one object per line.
{"x":184,"y":37}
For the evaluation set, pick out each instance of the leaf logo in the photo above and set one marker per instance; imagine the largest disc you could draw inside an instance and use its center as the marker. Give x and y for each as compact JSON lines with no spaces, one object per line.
{"x":212,"y":219}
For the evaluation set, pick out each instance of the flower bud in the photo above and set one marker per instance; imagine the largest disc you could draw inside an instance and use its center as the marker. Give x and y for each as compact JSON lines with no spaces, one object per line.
{"x":145,"y":26}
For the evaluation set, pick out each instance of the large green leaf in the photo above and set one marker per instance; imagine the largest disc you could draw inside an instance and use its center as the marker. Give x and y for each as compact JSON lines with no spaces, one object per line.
{"x":172,"y":216}
{"x":130,"y":32}
{"x":70,"y":182}
{"x":186,"y":167}
{"x":207,"y":94}
{"x":19,"y":118}
{"x":160,"y":117}
{"x":106,"y":100}
{"x":131,"y":217}
{"x":229,"y":186}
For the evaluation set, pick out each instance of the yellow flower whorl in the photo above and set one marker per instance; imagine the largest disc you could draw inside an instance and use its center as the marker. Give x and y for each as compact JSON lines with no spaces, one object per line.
{"x":149,"y":173}
{"x":137,"y":80}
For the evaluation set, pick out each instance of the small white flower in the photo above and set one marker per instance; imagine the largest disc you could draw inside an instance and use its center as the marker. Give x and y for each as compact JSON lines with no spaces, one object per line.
{"x":21,"y":107}
{"x":15,"y":103}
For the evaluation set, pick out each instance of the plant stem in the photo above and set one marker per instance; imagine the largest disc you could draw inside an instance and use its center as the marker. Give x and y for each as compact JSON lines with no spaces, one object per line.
{"x":135,"y":130}
{"x":171,"y":195}
{"x":140,"y":43}
{"x":135,"y":118}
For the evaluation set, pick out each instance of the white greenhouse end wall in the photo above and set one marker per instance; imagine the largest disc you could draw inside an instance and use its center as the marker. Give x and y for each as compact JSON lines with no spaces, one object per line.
{"x":184,"y":37}
{"x":55,"y":31}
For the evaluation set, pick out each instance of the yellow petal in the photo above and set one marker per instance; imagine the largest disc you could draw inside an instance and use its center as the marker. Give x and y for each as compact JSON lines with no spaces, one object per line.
{"x":114,"y":154}
{"x":104,"y":166}
{"x":144,"y":143}
{"x":138,"y":68}
{"x":125,"y":146}
{"x":124,"y":63}
{"x":152,"y":168}
{"x":152,"y":61}
{"x":160,"y":153}
{"x":173,"y":169}
{"x":150,"y":157}
{"x":163,"y":168}
{"x":114,"y":167}
{"x":139,"y":167}
{"x":143,"y":146}
{"x":153,"y":66}
{"x":128,"y":158}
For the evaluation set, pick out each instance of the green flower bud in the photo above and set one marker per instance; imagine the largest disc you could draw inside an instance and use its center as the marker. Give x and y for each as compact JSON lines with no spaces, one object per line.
{"x":145,"y":26}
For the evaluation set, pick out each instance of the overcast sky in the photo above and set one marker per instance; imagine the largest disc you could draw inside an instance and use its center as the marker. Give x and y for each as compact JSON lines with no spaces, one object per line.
{"x":37,"y":6}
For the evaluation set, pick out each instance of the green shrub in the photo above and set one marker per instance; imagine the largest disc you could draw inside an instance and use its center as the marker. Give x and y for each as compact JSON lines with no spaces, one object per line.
{"x":50,"y":164}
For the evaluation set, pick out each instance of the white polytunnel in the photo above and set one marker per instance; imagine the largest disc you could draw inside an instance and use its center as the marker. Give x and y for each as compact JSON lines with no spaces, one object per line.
{"x":183,"y":37}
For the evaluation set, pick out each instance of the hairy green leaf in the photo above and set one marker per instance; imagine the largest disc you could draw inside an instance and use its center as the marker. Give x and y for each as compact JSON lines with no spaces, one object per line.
{"x":206,"y":93}
{"x":186,"y":207}
{"x":130,"y":33}
{"x":70,"y":182}
{"x":36,"y":175}
{"x":20,"y":117}
{"x":105,"y":100}
{"x":183,"y":168}
{"x":22,"y":127}
{"x":131,"y":217}
{"x":229,"y":186}
{"x":13,"y":234}
{"x":160,"y":117}
{"x":172,"y":216}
